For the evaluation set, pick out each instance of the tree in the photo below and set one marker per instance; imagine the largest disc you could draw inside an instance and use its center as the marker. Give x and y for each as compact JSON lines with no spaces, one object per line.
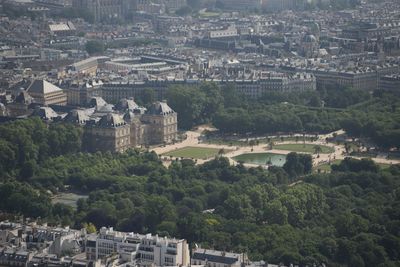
{"x":94,"y":47}
{"x":298,"y":164}
{"x":356,"y":165}
{"x":158,"y":209}
{"x":276,"y":213}
{"x":317,"y":149}
{"x":90,"y":228}
{"x":183,"y":11}
{"x":148,"y":96}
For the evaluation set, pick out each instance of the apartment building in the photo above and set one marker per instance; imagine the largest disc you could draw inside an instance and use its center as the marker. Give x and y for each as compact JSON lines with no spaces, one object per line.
{"x":229,"y":31}
{"x":146,"y":249}
{"x":390,"y":83}
{"x":214,"y":258}
{"x":87,"y":66}
{"x":254,"y":88}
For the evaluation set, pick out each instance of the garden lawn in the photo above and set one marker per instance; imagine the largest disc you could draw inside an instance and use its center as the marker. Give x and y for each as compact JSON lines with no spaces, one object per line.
{"x":306,"y":148}
{"x":326,"y":167}
{"x":193,"y":152}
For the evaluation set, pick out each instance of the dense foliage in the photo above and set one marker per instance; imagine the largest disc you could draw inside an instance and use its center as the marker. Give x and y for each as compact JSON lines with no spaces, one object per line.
{"x":356,"y":111}
{"x":378,"y":119}
{"x":25,"y":143}
{"x":94,"y":47}
{"x":347,"y":218}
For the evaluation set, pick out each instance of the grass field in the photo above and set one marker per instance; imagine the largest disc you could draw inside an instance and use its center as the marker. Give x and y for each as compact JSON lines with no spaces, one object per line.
{"x":229,"y":142}
{"x":193,"y":152}
{"x":306,"y":148}
{"x":326,"y":167}
{"x":208,"y":14}
{"x":384,"y":165}
{"x":69,"y":199}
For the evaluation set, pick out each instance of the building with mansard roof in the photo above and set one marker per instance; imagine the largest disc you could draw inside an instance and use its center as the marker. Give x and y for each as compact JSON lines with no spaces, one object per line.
{"x":127,"y":125}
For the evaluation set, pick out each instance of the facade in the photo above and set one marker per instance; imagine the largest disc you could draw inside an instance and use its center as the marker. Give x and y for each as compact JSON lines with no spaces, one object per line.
{"x":80,"y":94}
{"x":275,"y":82}
{"x":390,"y":83}
{"x":230,"y":31}
{"x":32,"y":245}
{"x":365,"y":80}
{"x":12,"y":257}
{"x":87,"y":66}
{"x":22,"y":106}
{"x":163,"y":123}
{"x":126,"y":126}
{"x":146,"y":249}
{"x":110,"y":133}
{"x":62,"y":29}
{"x":267,"y":82}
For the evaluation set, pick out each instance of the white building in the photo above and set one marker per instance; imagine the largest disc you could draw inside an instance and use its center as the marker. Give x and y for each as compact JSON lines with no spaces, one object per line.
{"x":144,"y":249}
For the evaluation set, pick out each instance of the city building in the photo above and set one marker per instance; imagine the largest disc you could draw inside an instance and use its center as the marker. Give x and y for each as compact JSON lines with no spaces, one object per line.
{"x":29,"y":244}
{"x":146,"y":249}
{"x":110,"y":133}
{"x":390,"y":83}
{"x":45,"y":93}
{"x":102,"y":10}
{"x":62,"y":29}
{"x":214,"y":258}
{"x":116,"y":129}
{"x":87,"y":66}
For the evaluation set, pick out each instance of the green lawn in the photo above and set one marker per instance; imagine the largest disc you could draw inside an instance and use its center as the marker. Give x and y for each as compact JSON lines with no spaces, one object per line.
{"x":69,"y":199}
{"x":231,"y":142}
{"x":327,"y":167}
{"x":306,"y":148}
{"x":194,"y":152}
{"x":384,"y":165}
{"x":208,"y":14}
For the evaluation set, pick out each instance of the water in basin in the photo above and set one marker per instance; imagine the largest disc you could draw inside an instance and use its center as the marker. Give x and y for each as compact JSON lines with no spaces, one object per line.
{"x":262,"y":159}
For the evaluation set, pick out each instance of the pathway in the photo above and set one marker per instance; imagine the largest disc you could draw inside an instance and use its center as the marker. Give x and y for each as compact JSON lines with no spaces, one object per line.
{"x":193,"y":140}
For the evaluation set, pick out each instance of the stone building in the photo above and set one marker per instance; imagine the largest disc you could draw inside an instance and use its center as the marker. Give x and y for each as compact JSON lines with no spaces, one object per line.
{"x":126,"y":126}
{"x":110,"y":133}
{"x":21,"y":106}
{"x":163,"y":123}
{"x":45,"y":93}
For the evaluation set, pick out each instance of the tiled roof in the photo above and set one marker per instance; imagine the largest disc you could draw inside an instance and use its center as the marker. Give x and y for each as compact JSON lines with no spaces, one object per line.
{"x":43,"y":87}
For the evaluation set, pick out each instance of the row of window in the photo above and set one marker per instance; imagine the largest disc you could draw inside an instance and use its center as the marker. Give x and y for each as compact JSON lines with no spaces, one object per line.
{"x":147,"y":257}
